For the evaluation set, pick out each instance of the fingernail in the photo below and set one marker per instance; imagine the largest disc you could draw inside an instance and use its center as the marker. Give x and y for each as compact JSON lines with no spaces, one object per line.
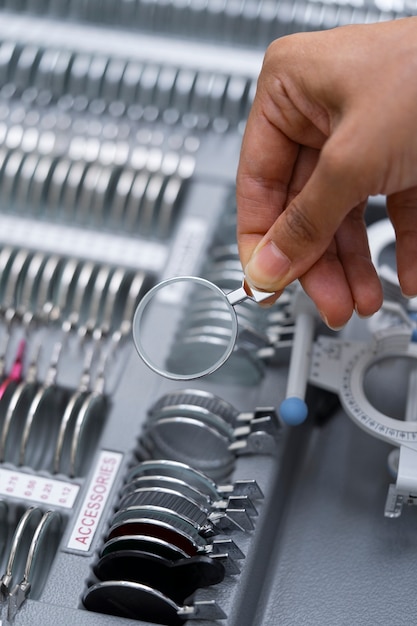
{"x":362,"y":317}
{"x":267,"y":267}
{"x":324,"y":318}
{"x":409,"y":296}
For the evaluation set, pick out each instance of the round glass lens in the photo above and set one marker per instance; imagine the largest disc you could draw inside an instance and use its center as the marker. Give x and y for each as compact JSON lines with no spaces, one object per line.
{"x":164,"y":329}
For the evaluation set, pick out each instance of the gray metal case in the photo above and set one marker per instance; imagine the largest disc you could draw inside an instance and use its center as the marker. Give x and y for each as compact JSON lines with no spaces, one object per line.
{"x":92,"y":94}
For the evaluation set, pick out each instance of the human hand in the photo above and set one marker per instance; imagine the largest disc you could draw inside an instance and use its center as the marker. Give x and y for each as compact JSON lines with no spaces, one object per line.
{"x":334,"y":121}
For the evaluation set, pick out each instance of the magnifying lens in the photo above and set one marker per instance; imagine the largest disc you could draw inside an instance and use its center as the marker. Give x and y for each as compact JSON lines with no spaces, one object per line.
{"x":161,"y":318}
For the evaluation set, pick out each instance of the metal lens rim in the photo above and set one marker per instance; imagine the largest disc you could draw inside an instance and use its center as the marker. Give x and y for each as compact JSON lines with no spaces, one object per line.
{"x":141,"y":308}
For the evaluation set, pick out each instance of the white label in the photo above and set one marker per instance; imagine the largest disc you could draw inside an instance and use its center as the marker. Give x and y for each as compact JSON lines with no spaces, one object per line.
{"x":95,"y":500}
{"x":38,"y":489}
{"x":185,"y":254}
{"x":70,"y":241}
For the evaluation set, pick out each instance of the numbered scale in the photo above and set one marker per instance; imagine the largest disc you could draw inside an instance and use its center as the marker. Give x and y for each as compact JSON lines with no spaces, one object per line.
{"x":376,"y":379}
{"x":345,"y":367}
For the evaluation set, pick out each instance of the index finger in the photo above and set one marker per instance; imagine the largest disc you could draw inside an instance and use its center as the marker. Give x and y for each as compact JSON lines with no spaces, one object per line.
{"x":265,"y":169}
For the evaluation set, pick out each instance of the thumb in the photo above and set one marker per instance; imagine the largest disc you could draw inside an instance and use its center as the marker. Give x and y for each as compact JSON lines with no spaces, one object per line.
{"x":304,"y":230}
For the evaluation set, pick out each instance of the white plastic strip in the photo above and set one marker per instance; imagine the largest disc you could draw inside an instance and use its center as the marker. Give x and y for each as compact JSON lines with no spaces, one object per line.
{"x":40,"y":489}
{"x":82,"y":242}
{"x":94,"y":502}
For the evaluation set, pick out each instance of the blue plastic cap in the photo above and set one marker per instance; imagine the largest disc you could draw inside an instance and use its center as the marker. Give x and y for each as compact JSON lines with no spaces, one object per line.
{"x":293,"y":411}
